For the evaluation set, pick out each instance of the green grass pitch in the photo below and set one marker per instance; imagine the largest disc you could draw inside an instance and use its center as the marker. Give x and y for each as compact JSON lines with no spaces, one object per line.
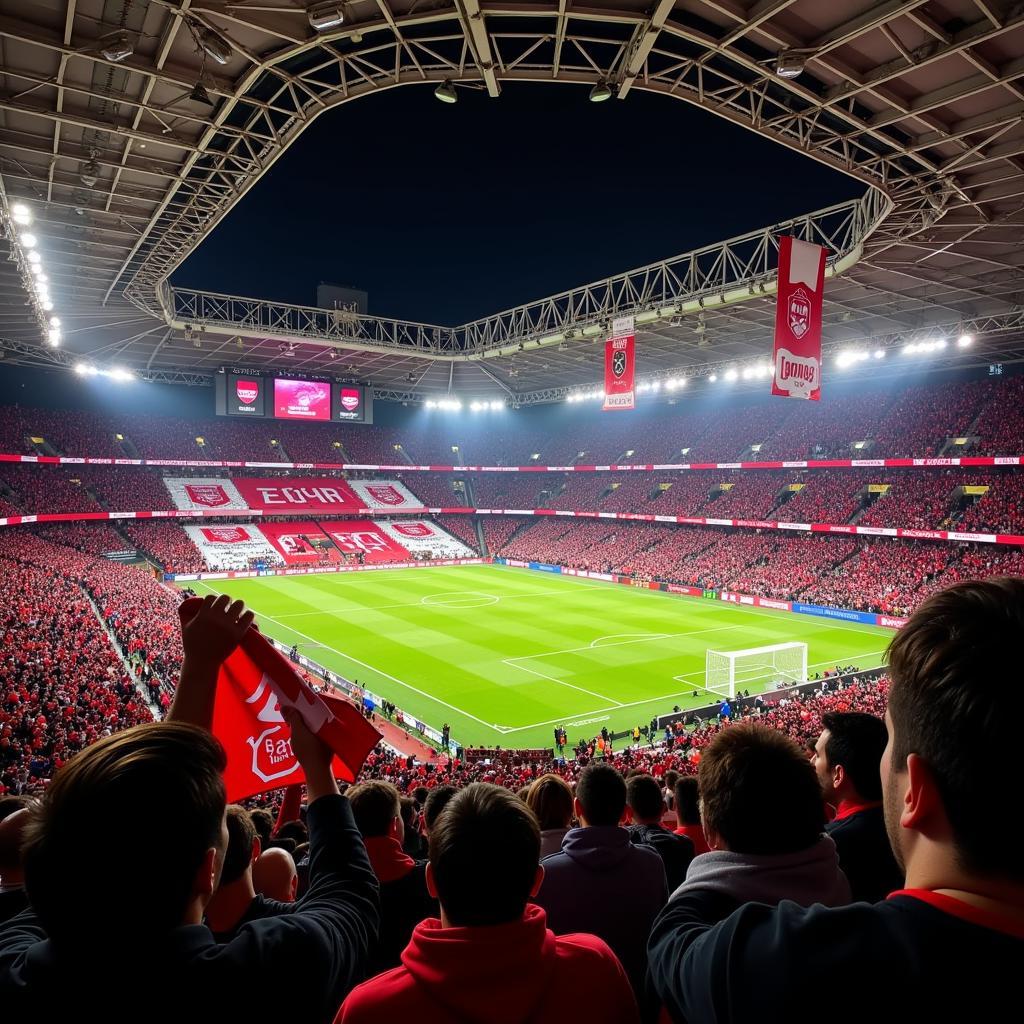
{"x":506,"y":654}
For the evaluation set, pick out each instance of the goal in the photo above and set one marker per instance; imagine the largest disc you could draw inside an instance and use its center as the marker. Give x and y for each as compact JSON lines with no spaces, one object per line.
{"x":725,"y":671}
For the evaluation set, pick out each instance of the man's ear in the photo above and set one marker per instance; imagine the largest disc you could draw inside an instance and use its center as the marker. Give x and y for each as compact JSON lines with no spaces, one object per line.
{"x":577,"y":809}
{"x":921,"y":799}
{"x":208,"y":873}
{"x":714,"y":840}
{"x":257,"y":849}
{"x":838,"y":776}
{"x":431,"y":883}
{"x":537,"y":881}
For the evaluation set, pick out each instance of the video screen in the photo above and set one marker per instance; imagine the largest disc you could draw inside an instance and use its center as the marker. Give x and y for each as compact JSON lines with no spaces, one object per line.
{"x":350,"y":403}
{"x":244,"y":395}
{"x":302,"y":399}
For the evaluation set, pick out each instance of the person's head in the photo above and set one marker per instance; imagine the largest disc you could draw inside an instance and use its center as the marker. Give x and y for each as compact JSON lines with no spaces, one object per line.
{"x":275,"y":876}
{"x":141,"y":811}
{"x":550,"y":799}
{"x":243,"y":845}
{"x":377,"y":807}
{"x":645,"y":798}
{"x":420,"y":794}
{"x":671,"y":778}
{"x":687,"y":793}
{"x":294,"y":830}
{"x":759,"y":793}
{"x":953,"y":737}
{"x":12,"y":835}
{"x":263,"y":822}
{"x":600,"y":795}
{"x":409,"y":812}
{"x":484,"y":853}
{"x":437,"y":800}
{"x":847,"y":756}
{"x":10,"y":804}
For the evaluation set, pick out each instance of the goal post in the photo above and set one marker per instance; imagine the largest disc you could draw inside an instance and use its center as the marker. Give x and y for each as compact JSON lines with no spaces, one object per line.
{"x":727,"y":671}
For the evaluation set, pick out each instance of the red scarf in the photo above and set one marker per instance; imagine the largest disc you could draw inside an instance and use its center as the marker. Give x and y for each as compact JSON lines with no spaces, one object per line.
{"x":387,"y":858}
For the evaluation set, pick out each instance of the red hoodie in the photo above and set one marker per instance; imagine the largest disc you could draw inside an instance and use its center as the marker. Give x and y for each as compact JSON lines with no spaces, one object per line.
{"x":514,"y":973}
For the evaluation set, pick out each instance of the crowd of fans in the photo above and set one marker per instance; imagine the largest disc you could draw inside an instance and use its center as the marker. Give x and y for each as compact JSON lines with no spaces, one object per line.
{"x":889,"y":422}
{"x":741,"y":871}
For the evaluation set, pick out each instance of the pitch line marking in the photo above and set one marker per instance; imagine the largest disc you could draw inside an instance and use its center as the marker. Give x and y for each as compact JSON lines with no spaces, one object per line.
{"x":645,"y":638}
{"x":771,"y":613}
{"x":532,"y":596}
{"x":652,"y":700}
{"x":561,"y":682}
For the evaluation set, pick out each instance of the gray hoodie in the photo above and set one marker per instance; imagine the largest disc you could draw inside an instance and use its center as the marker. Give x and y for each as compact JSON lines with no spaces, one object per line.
{"x":603,"y":884}
{"x":807,"y":877}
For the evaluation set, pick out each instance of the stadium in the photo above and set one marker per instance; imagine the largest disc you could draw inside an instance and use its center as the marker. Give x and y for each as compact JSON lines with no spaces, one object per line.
{"x":629,"y":571}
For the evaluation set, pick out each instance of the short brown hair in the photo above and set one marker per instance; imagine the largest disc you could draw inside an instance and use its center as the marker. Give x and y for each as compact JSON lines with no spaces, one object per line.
{"x":550,"y":799}
{"x":241,"y":836}
{"x":759,"y":792}
{"x":950,"y":666}
{"x":130,"y":815}
{"x":484,"y":853}
{"x":375,"y":805}
{"x":645,"y":798}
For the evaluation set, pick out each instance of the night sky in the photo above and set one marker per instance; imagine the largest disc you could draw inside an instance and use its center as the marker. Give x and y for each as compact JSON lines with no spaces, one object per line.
{"x":445,"y":213}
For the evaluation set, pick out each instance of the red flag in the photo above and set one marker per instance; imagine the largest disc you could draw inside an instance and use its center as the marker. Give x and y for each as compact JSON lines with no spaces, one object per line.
{"x":796,"y":366}
{"x":253,"y":684}
{"x":619,"y":362}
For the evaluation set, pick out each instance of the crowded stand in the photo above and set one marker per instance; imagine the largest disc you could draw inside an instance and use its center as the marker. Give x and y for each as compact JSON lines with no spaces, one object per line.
{"x":462,"y":528}
{"x":827,"y":496}
{"x":167,"y":544}
{"x":914,"y":500}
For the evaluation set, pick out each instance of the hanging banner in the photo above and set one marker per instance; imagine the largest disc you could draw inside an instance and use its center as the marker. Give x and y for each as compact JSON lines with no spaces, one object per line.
{"x":797,"y":362}
{"x":619,"y":366}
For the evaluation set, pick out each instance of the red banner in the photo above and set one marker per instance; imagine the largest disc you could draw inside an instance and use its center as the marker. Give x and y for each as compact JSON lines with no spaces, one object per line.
{"x":299,"y":494}
{"x":366,"y":538}
{"x":619,"y":366}
{"x":252,"y":686}
{"x":796,"y":365}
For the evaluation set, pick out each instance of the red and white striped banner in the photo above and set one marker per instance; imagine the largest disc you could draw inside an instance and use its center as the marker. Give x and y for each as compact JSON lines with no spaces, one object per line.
{"x":796,"y":361}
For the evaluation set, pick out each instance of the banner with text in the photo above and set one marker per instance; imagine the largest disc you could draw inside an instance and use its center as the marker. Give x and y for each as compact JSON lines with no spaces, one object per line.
{"x":299,"y":494}
{"x":796,"y":364}
{"x":619,"y":366}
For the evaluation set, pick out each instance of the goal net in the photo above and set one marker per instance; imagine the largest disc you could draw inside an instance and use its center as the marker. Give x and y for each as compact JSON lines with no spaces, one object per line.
{"x":728,"y":671}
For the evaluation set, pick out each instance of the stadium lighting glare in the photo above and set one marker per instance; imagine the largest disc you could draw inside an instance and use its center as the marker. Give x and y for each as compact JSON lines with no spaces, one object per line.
{"x":29,"y":240}
{"x":713,"y":378}
{"x":431,"y":404}
{"x":37,"y":271}
{"x":34,"y":257}
{"x":446,"y":93}
{"x":53,"y":337}
{"x":879,"y":353}
{"x":21,"y":214}
{"x":47,"y":305}
{"x":476,"y":406}
{"x":600,"y":93}
{"x":851,"y":357}
{"x":497,"y":405}
{"x":656,"y":386}
{"x":323,"y":17}
{"x":732,"y":374}
{"x":965,"y":341}
{"x":55,"y":321}
{"x":118,"y":374}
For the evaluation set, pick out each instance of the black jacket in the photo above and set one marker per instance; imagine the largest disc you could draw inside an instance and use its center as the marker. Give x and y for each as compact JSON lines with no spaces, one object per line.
{"x":676,"y":852}
{"x":403,"y":904}
{"x":865,"y":854}
{"x":915,"y":957}
{"x":296,"y":967}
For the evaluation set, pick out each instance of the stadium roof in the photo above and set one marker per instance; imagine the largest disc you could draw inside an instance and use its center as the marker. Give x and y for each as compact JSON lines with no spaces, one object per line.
{"x":107,"y":135}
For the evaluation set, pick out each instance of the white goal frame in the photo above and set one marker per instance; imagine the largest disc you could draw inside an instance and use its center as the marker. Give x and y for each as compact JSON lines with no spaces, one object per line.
{"x":774,"y":663}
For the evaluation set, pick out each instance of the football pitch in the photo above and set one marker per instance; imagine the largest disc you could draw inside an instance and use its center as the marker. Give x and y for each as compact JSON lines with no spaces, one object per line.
{"x":504,"y":655}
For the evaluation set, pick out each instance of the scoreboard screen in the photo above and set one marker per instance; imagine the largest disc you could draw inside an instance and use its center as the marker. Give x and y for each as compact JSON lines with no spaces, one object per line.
{"x":237,"y":393}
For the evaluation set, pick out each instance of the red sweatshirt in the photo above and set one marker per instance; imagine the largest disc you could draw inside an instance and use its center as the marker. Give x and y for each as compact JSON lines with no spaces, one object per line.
{"x":505,"y":974}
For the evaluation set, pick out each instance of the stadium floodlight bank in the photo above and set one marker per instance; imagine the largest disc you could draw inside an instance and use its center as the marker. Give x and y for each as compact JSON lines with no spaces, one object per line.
{"x":725,"y":671}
